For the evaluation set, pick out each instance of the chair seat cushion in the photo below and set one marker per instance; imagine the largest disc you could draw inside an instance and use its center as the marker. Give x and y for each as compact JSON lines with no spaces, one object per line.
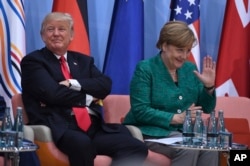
{"x":239,"y":127}
{"x":242,"y":138}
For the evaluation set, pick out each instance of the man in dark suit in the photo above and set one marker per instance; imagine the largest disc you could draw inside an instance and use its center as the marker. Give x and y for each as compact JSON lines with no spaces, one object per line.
{"x":50,"y":97}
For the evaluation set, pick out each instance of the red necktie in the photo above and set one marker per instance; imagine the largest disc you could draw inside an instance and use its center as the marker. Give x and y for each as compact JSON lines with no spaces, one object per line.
{"x":81,"y":114}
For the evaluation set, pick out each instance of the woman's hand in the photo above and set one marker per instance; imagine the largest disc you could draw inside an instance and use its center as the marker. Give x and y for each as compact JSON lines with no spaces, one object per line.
{"x":193,"y":110}
{"x":180,"y":118}
{"x":208,"y":74}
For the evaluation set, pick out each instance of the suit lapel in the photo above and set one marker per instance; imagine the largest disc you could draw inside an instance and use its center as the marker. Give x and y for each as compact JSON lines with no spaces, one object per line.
{"x":54,"y":63}
{"x":71,"y":60}
{"x":73,"y":65}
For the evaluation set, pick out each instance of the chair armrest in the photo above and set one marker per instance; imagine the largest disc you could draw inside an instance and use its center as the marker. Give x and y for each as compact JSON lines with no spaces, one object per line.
{"x":47,"y":152}
{"x":135,"y":131}
{"x":42,"y":133}
{"x":28,"y":133}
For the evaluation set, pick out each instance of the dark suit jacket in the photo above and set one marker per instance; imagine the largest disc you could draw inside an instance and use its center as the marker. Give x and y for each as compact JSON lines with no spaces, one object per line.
{"x":49,"y":103}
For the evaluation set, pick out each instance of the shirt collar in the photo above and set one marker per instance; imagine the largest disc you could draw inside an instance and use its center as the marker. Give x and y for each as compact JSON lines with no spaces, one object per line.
{"x":65,"y":56}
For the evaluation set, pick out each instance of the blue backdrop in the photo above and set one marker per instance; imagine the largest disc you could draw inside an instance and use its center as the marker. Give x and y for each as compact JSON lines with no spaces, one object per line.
{"x":156,"y":13}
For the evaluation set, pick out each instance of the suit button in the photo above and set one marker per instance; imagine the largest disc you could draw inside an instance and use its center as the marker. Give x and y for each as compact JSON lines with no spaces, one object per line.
{"x":179,"y":111}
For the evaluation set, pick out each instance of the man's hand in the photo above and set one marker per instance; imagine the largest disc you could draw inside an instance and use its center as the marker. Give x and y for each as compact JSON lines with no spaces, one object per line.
{"x":65,"y":83}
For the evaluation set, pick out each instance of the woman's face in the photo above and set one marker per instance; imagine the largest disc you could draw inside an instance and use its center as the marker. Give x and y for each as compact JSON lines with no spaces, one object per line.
{"x":174,"y":56}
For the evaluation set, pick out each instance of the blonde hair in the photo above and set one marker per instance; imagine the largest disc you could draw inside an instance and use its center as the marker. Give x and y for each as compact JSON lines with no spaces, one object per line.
{"x":176,"y":33}
{"x":57,"y":16}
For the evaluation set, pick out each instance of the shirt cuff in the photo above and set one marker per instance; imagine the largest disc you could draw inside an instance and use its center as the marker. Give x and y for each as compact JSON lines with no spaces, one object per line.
{"x":89,"y":99}
{"x":74,"y":85}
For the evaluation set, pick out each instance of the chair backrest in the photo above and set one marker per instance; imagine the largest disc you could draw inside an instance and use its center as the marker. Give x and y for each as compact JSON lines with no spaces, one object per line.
{"x":115,"y":107}
{"x":17,"y":101}
{"x":237,"y":117}
{"x":234,"y":107}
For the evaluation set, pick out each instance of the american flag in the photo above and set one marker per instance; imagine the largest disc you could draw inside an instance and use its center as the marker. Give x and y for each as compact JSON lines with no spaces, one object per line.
{"x":189,"y":12}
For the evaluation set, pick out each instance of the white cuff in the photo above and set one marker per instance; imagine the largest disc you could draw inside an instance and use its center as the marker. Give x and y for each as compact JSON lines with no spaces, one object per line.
{"x":89,"y":99}
{"x":74,"y":85}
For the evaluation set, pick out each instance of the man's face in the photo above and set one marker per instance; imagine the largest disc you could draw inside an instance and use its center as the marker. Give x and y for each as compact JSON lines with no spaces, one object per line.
{"x":57,"y":36}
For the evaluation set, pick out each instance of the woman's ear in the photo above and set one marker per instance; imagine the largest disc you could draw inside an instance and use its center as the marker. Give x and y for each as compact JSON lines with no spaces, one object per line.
{"x":164,"y":47}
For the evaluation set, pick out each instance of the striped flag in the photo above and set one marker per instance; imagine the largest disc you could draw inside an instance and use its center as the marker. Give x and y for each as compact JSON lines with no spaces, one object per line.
{"x":12,"y":47}
{"x":78,"y":10}
{"x":189,"y":12}
{"x":125,"y":44}
{"x":233,"y":63}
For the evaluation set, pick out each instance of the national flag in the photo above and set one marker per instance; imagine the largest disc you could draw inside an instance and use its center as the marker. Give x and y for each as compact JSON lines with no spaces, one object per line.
{"x":189,"y":12}
{"x":78,"y":10}
{"x":233,"y":63}
{"x":158,"y":11}
{"x":12,"y":47}
{"x":125,"y":44}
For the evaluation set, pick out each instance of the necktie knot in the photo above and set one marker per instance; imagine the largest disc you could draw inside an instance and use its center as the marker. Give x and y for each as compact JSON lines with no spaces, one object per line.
{"x":62,"y":59}
{"x":64,"y":67}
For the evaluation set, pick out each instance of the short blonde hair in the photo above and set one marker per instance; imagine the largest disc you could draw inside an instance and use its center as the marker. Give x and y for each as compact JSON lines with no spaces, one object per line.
{"x":176,"y":33}
{"x":58,"y":16}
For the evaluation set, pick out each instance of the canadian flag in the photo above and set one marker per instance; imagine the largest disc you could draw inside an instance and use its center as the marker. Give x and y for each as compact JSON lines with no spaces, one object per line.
{"x":233,"y":64}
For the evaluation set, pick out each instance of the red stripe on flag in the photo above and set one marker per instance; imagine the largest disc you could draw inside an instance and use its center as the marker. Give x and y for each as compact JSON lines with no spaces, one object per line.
{"x":191,"y":58}
{"x":195,"y":52}
{"x":80,"y":42}
{"x":196,"y":25}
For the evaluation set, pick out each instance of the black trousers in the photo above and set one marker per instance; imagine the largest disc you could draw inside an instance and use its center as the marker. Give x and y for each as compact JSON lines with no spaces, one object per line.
{"x":113,"y":140}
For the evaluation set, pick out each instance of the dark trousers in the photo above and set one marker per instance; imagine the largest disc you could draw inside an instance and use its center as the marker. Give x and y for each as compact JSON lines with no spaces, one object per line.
{"x":113,"y":140}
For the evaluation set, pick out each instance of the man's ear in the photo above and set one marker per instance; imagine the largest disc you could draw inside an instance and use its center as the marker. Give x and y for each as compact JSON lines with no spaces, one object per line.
{"x":42,"y":37}
{"x":72,"y":35}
